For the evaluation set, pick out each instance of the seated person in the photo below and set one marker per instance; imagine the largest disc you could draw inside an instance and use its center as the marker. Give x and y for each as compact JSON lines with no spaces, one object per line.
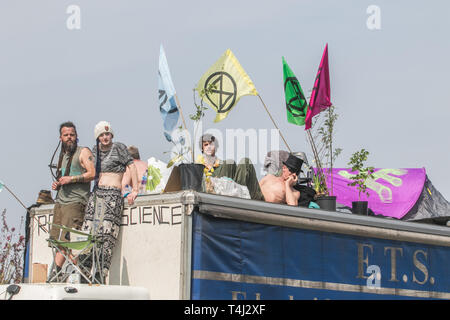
{"x":281,"y":189}
{"x":244,"y":173}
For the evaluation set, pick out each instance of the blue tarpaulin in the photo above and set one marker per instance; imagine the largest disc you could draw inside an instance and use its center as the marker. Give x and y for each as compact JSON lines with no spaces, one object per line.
{"x":234,"y":259}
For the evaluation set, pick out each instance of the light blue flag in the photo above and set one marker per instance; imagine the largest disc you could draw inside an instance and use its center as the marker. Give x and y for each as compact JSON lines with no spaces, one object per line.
{"x":167,"y":105}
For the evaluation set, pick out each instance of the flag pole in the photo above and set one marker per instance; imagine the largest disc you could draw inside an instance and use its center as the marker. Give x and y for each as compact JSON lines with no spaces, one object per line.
{"x":181,"y":111}
{"x":184,"y":124}
{"x":7,"y":189}
{"x":281,"y":135}
{"x":316,"y":154}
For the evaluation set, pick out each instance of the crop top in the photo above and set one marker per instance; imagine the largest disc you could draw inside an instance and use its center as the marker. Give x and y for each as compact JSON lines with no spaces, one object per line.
{"x":115,"y":159}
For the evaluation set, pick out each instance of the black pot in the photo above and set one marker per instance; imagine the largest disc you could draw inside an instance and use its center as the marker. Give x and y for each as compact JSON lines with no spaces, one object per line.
{"x":191,"y":175}
{"x":327,"y":203}
{"x":360,"y":207}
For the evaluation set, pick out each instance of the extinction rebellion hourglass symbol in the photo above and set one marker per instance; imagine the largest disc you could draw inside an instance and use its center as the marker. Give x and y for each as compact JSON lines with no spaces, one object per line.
{"x":294,"y":105}
{"x":227,"y":99}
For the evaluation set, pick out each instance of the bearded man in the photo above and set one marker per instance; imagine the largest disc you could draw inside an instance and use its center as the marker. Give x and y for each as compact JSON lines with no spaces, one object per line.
{"x":76,"y":170}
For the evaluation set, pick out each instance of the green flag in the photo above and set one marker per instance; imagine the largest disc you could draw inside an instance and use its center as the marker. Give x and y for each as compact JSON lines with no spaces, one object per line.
{"x":296,"y":105}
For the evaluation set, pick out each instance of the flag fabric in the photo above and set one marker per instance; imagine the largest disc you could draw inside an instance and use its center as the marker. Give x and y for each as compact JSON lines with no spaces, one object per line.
{"x":1,"y":186}
{"x":228,"y":83}
{"x":320,"y":96}
{"x":296,"y":104}
{"x":166,"y":93}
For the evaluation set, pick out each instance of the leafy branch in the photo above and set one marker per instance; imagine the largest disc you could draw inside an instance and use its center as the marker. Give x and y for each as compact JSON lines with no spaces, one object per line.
{"x":364,"y":173}
{"x":324,"y":137}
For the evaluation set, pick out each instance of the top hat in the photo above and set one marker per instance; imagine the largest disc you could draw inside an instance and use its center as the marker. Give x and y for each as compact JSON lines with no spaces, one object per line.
{"x":294,"y":164}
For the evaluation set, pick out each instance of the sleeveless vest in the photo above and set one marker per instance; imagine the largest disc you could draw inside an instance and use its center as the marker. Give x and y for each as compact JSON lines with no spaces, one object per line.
{"x":73,"y":192}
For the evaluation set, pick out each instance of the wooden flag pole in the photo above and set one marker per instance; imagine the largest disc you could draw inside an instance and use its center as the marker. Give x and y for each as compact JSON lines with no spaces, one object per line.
{"x":184,"y":124}
{"x":4,"y":185}
{"x":316,"y":155}
{"x":181,"y":111}
{"x":281,"y":135}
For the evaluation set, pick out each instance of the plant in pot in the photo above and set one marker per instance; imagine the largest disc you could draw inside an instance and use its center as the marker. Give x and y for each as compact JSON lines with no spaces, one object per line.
{"x":325,"y":156}
{"x":359,"y":180}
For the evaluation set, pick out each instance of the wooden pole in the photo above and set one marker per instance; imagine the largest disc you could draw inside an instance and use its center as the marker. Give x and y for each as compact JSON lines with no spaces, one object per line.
{"x":21,"y":203}
{"x":331,"y":149}
{"x":181,"y":111}
{"x":281,"y":135}
{"x":185,"y":127}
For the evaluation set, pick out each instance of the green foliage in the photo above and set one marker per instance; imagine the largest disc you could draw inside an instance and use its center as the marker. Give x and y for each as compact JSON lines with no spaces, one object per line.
{"x":200,"y":108}
{"x":323,"y":138}
{"x":326,"y":135}
{"x":320,"y":185}
{"x":364,"y":173}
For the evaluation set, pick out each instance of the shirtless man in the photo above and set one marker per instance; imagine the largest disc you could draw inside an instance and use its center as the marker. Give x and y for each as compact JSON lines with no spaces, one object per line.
{"x":281,"y":189}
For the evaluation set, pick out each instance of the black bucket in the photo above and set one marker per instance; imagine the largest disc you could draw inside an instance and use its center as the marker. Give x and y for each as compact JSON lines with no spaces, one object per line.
{"x":191,"y":176}
{"x":327,"y":203}
{"x":360,"y":207}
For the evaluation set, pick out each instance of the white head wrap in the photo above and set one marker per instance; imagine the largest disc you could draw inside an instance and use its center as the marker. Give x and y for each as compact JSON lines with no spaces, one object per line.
{"x":102,"y":127}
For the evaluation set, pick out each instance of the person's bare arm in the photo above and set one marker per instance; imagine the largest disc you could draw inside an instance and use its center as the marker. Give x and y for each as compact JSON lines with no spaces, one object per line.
{"x":126,"y":180}
{"x":134,"y":182}
{"x":292,"y":195}
{"x":87,"y":162}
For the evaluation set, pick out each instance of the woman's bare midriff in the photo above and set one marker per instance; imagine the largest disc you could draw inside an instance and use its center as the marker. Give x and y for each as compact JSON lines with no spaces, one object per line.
{"x":110,"y":179}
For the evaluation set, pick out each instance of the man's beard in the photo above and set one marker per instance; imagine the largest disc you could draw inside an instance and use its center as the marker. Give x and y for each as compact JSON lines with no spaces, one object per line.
{"x":69,"y":147}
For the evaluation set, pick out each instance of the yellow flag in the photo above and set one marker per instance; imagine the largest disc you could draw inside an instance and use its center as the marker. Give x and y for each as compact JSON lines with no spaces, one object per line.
{"x":228,"y":81}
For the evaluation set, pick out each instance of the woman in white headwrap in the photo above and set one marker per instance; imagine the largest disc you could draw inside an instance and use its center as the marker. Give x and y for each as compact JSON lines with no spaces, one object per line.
{"x":104,"y":209}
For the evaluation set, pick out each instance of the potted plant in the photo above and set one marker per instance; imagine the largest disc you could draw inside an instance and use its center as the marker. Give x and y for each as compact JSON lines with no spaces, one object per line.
{"x":325,"y":156}
{"x":359,"y":180}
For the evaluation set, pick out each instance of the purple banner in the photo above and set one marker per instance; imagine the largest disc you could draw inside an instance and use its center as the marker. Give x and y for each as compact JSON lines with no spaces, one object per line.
{"x":393,"y":192}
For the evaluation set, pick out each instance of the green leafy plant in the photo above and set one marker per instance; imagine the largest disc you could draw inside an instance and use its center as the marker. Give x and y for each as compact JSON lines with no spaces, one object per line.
{"x":323,"y":138}
{"x":200,"y":110}
{"x":364,"y":173}
{"x":320,"y":185}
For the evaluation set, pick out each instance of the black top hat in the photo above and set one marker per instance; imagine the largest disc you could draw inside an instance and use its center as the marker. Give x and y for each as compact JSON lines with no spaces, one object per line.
{"x":294,"y":164}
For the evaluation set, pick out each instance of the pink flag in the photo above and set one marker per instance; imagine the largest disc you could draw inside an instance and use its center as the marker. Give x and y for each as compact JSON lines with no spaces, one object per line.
{"x":320,"y":97}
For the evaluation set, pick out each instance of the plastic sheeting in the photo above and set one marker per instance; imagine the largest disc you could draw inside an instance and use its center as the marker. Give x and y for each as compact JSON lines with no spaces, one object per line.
{"x":430,"y":207}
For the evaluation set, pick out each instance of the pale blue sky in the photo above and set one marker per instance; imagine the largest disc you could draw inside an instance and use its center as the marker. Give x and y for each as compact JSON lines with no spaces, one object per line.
{"x":389,"y":85}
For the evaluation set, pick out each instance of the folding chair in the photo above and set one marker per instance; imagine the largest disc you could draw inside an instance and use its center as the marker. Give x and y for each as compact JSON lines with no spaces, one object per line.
{"x":88,"y":247}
